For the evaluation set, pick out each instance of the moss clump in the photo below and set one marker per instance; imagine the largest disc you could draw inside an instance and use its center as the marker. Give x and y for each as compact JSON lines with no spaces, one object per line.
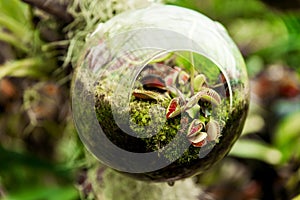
{"x":147,"y":119}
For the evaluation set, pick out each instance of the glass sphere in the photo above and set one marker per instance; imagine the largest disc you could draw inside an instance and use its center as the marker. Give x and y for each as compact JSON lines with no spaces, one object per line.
{"x":160,"y":93}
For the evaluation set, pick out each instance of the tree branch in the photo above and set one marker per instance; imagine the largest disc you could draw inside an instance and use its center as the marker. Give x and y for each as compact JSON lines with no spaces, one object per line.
{"x":52,"y":7}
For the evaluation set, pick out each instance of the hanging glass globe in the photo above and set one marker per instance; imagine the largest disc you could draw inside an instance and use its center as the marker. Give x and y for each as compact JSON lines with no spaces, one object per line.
{"x":160,"y":93}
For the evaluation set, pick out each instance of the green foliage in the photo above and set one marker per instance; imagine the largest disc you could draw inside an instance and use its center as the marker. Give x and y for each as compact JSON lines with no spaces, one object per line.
{"x":17,"y":29}
{"x":256,"y":150}
{"x":25,"y":171}
{"x":49,"y":193}
{"x":228,"y":10}
{"x":297,"y":197}
{"x":286,"y":49}
{"x":284,"y":145}
{"x":28,"y":67}
{"x":223,"y":11}
{"x":16,"y":18}
{"x":201,"y":64}
{"x":286,"y":137}
{"x":17,"y":169}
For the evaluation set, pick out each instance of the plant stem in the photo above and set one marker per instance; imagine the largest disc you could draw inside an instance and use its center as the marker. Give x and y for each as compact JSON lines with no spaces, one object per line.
{"x":192,"y":73}
{"x":18,"y":29}
{"x":34,"y":67}
{"x":10,"y":39}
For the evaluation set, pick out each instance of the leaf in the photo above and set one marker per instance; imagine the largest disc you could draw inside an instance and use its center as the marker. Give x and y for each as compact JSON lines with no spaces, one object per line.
{"x":288,"y":130}
{"x":183,"y":62}
{"x":297,"y":197}
{"x":11,"y":39}
{"x":199,"y":80}
{"x":16,"y":20}
{"x":162,"y":57}
{"x":195,"y":127}
{"x":183,"y":77}
{"x":250,"y":149}
{"x":193,"y":111}
{"x":153,"y":81}
{"x":17,"y":28}
{"x":194,"y":134}
{"x":213,"y":130}
{"x":15,"y":9}
{"x":147,"y":95}
{"x":30,"y":67}
{"x":16,"y":159}
{"x":211,"y":96}
{"x":173,"y":108}
{"x":206,"y":94}
{"x":197,"y":137}
{"x":287,"y":136}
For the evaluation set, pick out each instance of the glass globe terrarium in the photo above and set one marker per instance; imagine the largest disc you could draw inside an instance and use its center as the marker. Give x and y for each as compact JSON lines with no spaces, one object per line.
{"x":160,"y":93}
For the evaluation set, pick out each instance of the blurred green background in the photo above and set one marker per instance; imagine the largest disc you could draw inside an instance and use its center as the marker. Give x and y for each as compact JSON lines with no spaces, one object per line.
{"x":41,"y":156}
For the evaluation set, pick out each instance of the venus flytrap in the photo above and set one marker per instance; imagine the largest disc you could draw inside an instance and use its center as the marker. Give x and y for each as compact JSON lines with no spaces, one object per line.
{"x":148,"y":95}
{"x":184,"y":93}
{"x":198,"y":132}
{"x":195,"y":135}
{"x":174,"y":108}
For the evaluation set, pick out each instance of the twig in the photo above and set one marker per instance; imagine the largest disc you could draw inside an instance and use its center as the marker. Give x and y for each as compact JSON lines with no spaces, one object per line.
{"x":52,"y":7}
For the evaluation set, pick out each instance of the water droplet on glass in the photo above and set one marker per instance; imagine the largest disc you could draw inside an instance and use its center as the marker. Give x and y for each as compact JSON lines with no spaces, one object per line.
{"x":171,"y":183}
